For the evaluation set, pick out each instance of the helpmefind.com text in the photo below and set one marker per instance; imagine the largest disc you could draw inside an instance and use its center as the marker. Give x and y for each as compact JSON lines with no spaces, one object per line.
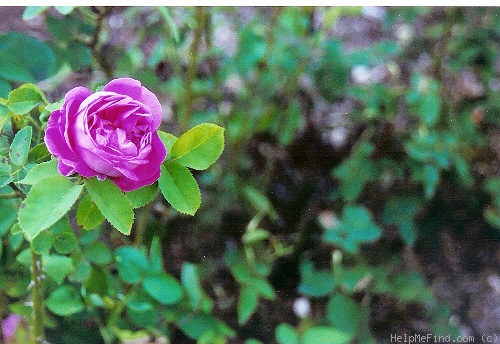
{"x":433,"y":338}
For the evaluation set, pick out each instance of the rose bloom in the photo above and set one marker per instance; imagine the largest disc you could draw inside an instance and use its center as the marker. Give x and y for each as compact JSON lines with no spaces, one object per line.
{"x":109,"y":134}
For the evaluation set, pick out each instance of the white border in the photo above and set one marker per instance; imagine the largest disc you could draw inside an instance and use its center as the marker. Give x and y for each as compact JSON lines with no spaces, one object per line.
{"x":185,"y":3}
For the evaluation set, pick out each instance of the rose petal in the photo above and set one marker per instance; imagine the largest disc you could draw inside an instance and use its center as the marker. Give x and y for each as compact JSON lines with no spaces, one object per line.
{"x":148,"y":98}
{"x":126,"y":184}
{"x":127,"y":86}
{"x":135,"y":90}
{"x":77,"y":95}
{"x":56,"y":144}
{"x":64,"y":169}
{"x":68,"y":167}
{"x":97,"y":162}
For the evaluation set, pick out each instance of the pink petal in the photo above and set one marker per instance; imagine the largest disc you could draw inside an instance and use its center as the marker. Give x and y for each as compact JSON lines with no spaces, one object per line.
{"x":148,"y":98}
{"x":126,"y":184}
{"x":135,"y":90}
{"x":56,"y":144}
{"x":126,"y":86}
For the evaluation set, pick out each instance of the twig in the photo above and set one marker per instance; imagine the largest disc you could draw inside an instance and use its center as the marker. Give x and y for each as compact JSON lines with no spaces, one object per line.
{"x":99,"y":57}
{"x":18,"y":193}
{"x":38,"y":313}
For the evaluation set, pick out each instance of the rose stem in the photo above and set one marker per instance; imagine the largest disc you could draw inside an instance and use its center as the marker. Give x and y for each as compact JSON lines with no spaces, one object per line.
{"x":188,"y":100}
{"x":142,"y":222}
{"x":37,"y":276}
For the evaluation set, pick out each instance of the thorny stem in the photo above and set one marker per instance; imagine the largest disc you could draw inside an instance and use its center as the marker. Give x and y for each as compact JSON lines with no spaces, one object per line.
{"x":38,"y":313}
{"x":194,"y":49}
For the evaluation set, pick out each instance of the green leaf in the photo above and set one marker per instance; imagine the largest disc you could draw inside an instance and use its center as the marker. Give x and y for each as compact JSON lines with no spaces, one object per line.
{"x":242,"y":273}
{"x":401,"y":211}
{"x":98,"y":253}
{"x":31,"y":12}
{"x":253,"y":341}
{"x":331,"y":76}
{"x":315,"y":283}
{"x":132,"y":264}
{"x":179,"y":187}
{"x":5,"y":89}
{"x":79,"y":55}
{"x":64,"y":242}
{"x":191,"y":282}
{"x":19,"y":149}
{"x":492,"y":186}
{"x":196,"y":325}
{"x":8,"y":215}
{"x":492,"y":216}
{"x":142,"y":196}
{"x":199,"y":147}
{"x":64,"y":9}
{"x":431,"y":180}
{"x":16,"y":240}
{"x":42,"y":242}
{"x":356,"y":171}
{"x":65,"y":301}
{"x":259,"y":201}
{"x":411,"y":287}
{"x":325,"y":335}
{"x":264,"y":288}
{"x":97,"y":281}
{"x":286,"y":334}
{"x":112,"y":203}
{"x":167,"y":139}
{"x":23,"y":99}
{"x":41,"y":171}
{"x":165,"y":13}
{"x":142,"y":313}
{"x":5,"y":167}
{"x":46,"y":203}
{"x":292,"y":122}
{"x":5,"y":115}
{"x":356,"y":227}
{"x":88,"y":216}
{"x":156,"y":255}
{"x":343,"y":314}
{"x":428,"y":108}
{"x":63,"y":238}
{"x":82,"y":268}
{"x":39,"y":154}
{"x":4,"y":180}
{"x":247,"y":303}
{"x":24,"y":58}
{"x":56,"y":266}
{"x":163,"y":288}
{"x":254,"y":236}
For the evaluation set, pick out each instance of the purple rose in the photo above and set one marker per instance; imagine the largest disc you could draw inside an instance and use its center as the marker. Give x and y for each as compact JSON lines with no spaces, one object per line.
{"x":109,"y":134}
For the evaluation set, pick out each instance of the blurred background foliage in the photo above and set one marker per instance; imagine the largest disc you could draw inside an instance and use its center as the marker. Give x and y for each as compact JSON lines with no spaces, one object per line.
{"x":358,"y":195}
